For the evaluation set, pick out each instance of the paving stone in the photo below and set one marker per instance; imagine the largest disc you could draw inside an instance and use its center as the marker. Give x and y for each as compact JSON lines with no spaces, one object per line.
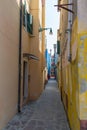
{"x":40,"y":128}
{"x":40,"y":123}
{"x":47,"y":113}
{"x":29,"y":127}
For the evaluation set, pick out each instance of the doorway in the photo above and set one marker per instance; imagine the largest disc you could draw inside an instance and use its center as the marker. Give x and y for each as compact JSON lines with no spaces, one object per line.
{"x":25,"y":80}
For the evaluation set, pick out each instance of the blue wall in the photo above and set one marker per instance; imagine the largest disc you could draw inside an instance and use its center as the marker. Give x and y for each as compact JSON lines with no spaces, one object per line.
{"x":48,"y":60}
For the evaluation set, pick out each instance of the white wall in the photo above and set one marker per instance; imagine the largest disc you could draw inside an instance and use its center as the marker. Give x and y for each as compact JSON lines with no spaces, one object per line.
{"x":82,"y":15}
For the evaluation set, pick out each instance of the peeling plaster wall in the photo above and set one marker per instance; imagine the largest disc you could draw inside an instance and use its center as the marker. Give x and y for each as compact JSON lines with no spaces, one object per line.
{"x":78,"y":103}
{"x":82,"y":58}
{"x":82,"y":15}
{"x":82,"y":67}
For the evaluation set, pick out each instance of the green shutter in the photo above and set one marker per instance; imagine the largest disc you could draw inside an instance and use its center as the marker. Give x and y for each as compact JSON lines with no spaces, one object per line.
{"x":58,"y":47}
{"x":30,"y":23}
{"x":27,"y":19}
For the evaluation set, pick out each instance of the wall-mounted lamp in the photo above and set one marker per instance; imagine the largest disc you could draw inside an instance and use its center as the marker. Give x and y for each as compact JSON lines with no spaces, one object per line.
{"x":42,"y":29}
{"x":67,"y":30}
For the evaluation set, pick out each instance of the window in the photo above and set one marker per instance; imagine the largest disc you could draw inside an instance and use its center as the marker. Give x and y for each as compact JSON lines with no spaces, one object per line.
{"x":24,"y":13}
{"x":27,"y":20}
{"x":30,"y":23}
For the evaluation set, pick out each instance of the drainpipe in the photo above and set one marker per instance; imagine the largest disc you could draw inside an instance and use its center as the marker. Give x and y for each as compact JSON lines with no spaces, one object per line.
{"x":20,"y":51}
{"x":61,"y":75}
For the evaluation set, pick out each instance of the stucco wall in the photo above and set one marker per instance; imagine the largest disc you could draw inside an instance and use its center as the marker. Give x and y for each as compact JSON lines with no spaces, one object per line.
{"x":74,"y":74}
{"x":69,"y":81}
{"x":25,"y":49}
{"x":82,"y":15}
{"x":36,"y":49}
{"x":9,"y":41}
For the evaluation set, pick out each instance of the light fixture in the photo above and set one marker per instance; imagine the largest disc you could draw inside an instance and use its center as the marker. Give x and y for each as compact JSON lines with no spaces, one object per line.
{"x":42,"y":29}
{"x":67,"y":30}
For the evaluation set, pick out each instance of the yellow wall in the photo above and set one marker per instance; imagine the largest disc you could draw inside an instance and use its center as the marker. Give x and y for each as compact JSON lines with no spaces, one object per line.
{"x":79,"y":78}
{"x":70,"y":86}
{"x":63,"y":27}
{"x":9,"y":56}
{"x":43,"y":49}
{"x":68,"y":80}
{"x":36,"y":48}
{"x":82,"y":60}
{"x":25,"y":49}
{"x":73,"y":93}
{"x":74,"y":73}
{"x":82,"y":69}
{"x":9,"y":42}
{"x":33,"y":44}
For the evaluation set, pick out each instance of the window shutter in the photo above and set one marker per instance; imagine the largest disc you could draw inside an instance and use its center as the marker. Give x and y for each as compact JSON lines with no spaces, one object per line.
{"x":30,"y":23}
{"x":58,"y":47}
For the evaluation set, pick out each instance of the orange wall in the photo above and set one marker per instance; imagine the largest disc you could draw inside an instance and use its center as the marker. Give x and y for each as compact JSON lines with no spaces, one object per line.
{"x":9,"y":42}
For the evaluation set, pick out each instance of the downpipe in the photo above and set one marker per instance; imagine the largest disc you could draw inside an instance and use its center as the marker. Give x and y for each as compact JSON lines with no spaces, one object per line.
{"x":20,"y":51}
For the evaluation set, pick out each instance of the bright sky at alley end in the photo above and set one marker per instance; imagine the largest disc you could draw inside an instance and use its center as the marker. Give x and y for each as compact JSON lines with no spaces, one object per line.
{"x":52,"y":20}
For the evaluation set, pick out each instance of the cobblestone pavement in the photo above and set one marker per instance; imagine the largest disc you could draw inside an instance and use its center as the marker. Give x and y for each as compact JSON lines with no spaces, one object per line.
{"x":47,"y":113}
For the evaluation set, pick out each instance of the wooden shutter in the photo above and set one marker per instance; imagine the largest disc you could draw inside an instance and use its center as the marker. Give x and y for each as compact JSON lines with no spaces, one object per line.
{"x":58,"y":47}
{"x":30,"y":23}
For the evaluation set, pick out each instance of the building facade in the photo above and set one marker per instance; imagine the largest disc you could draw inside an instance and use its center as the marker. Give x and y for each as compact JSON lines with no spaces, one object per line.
{"x":22,"y":49}
{"x":48,"y":63}
{"x":72,"y":65}
{"x":52,"y":74}
{"x":9,"y":44}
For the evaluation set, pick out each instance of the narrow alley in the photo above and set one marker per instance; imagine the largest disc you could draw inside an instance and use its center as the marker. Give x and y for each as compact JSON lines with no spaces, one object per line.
{"x":41,"y":40}
{"x":47,"y":113}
